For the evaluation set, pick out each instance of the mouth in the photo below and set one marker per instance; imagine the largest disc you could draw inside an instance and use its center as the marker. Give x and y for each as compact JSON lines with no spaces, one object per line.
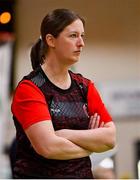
{"x":77,"y":52}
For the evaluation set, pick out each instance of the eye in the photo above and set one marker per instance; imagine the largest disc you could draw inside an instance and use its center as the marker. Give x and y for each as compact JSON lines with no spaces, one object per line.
{"x":73,"y":35}
{"x":83,"y":36}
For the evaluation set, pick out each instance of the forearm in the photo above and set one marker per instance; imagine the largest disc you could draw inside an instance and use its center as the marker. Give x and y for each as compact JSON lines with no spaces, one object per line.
{"x":95,"y":140}
{"x":63,"y":149}
{"x":47,"y":144}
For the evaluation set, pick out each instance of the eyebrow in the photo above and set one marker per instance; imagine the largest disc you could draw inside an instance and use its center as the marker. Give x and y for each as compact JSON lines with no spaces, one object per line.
{"x":76,"y":32}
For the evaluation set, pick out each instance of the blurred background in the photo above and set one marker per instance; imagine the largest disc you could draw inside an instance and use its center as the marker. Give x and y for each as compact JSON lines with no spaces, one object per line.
{"x":111,"y":58}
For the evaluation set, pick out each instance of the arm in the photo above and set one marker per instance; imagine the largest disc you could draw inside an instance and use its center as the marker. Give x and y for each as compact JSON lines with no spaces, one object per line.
{"x":30,"y":108}
{"x":97,"y":139}
{"x":100,"y":136}
{"x":47,"y":144}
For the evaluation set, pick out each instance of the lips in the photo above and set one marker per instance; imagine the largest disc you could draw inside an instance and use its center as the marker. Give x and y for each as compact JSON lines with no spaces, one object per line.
{"x":78,"y":51}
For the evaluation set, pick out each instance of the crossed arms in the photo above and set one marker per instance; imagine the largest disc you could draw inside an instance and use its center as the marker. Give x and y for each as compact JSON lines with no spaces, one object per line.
{"x":71,"y":144}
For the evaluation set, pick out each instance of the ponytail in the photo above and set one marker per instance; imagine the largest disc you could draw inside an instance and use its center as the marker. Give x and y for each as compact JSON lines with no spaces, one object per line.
{"x":53,"y":23}
{"x":37,"y":54}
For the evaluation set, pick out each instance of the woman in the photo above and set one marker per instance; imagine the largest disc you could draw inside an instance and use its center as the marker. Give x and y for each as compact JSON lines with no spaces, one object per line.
{"x":59,"y":116}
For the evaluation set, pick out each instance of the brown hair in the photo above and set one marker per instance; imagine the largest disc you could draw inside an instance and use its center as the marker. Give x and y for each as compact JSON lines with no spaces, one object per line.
{"x":53,"y":23}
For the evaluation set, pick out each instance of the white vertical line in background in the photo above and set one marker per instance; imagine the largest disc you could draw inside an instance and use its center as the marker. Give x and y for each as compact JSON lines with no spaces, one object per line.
{"x":5,"y":65}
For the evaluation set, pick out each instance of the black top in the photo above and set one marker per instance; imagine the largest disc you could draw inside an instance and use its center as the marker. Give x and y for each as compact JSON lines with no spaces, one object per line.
{"x":67,"y":109}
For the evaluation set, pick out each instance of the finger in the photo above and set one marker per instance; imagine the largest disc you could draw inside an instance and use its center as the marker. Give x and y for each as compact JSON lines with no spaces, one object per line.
{"x":102,"y":124}
{"x":90,"y":122}
{"x":94,"y":119}
{"x":97,"y":121}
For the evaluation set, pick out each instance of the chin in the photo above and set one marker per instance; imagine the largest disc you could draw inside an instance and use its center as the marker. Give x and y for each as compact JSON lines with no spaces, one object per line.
{"x":76,"y":59}
{"x":73,"y":60}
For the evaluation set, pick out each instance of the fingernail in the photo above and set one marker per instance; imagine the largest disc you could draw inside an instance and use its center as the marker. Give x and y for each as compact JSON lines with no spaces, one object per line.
{"x":95,"y":114}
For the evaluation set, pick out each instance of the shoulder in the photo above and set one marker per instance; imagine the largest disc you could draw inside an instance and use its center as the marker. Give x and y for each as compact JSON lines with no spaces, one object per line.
{"x":36,"y":76}
{"x":79,"y":78}
{"x":27,"y":89}
{"x":32,"y":81}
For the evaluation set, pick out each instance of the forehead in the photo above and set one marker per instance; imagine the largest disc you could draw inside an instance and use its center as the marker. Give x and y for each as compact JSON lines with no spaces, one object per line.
{"x":77,"y":26}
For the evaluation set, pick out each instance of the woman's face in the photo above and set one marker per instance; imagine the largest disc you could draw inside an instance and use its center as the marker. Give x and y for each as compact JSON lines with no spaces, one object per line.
{"x":69,"y":43}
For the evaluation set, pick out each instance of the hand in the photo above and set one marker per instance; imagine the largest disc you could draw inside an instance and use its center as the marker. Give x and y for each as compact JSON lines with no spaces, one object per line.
{"x":95,"y":122}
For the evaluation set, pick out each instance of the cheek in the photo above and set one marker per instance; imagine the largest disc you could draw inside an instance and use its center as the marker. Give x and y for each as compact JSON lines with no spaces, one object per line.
{"x":70,"y":46}
{"x":65,"y":47}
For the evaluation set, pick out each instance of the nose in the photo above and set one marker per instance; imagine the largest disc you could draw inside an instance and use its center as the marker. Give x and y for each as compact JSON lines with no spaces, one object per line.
{"x":81,"y":42}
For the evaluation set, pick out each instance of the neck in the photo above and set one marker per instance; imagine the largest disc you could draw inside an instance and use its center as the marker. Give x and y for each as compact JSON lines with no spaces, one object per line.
{"x":57,"y":73}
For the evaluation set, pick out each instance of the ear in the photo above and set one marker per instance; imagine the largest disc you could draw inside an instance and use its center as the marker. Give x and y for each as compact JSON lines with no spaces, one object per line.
{"x":50,"y":40}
